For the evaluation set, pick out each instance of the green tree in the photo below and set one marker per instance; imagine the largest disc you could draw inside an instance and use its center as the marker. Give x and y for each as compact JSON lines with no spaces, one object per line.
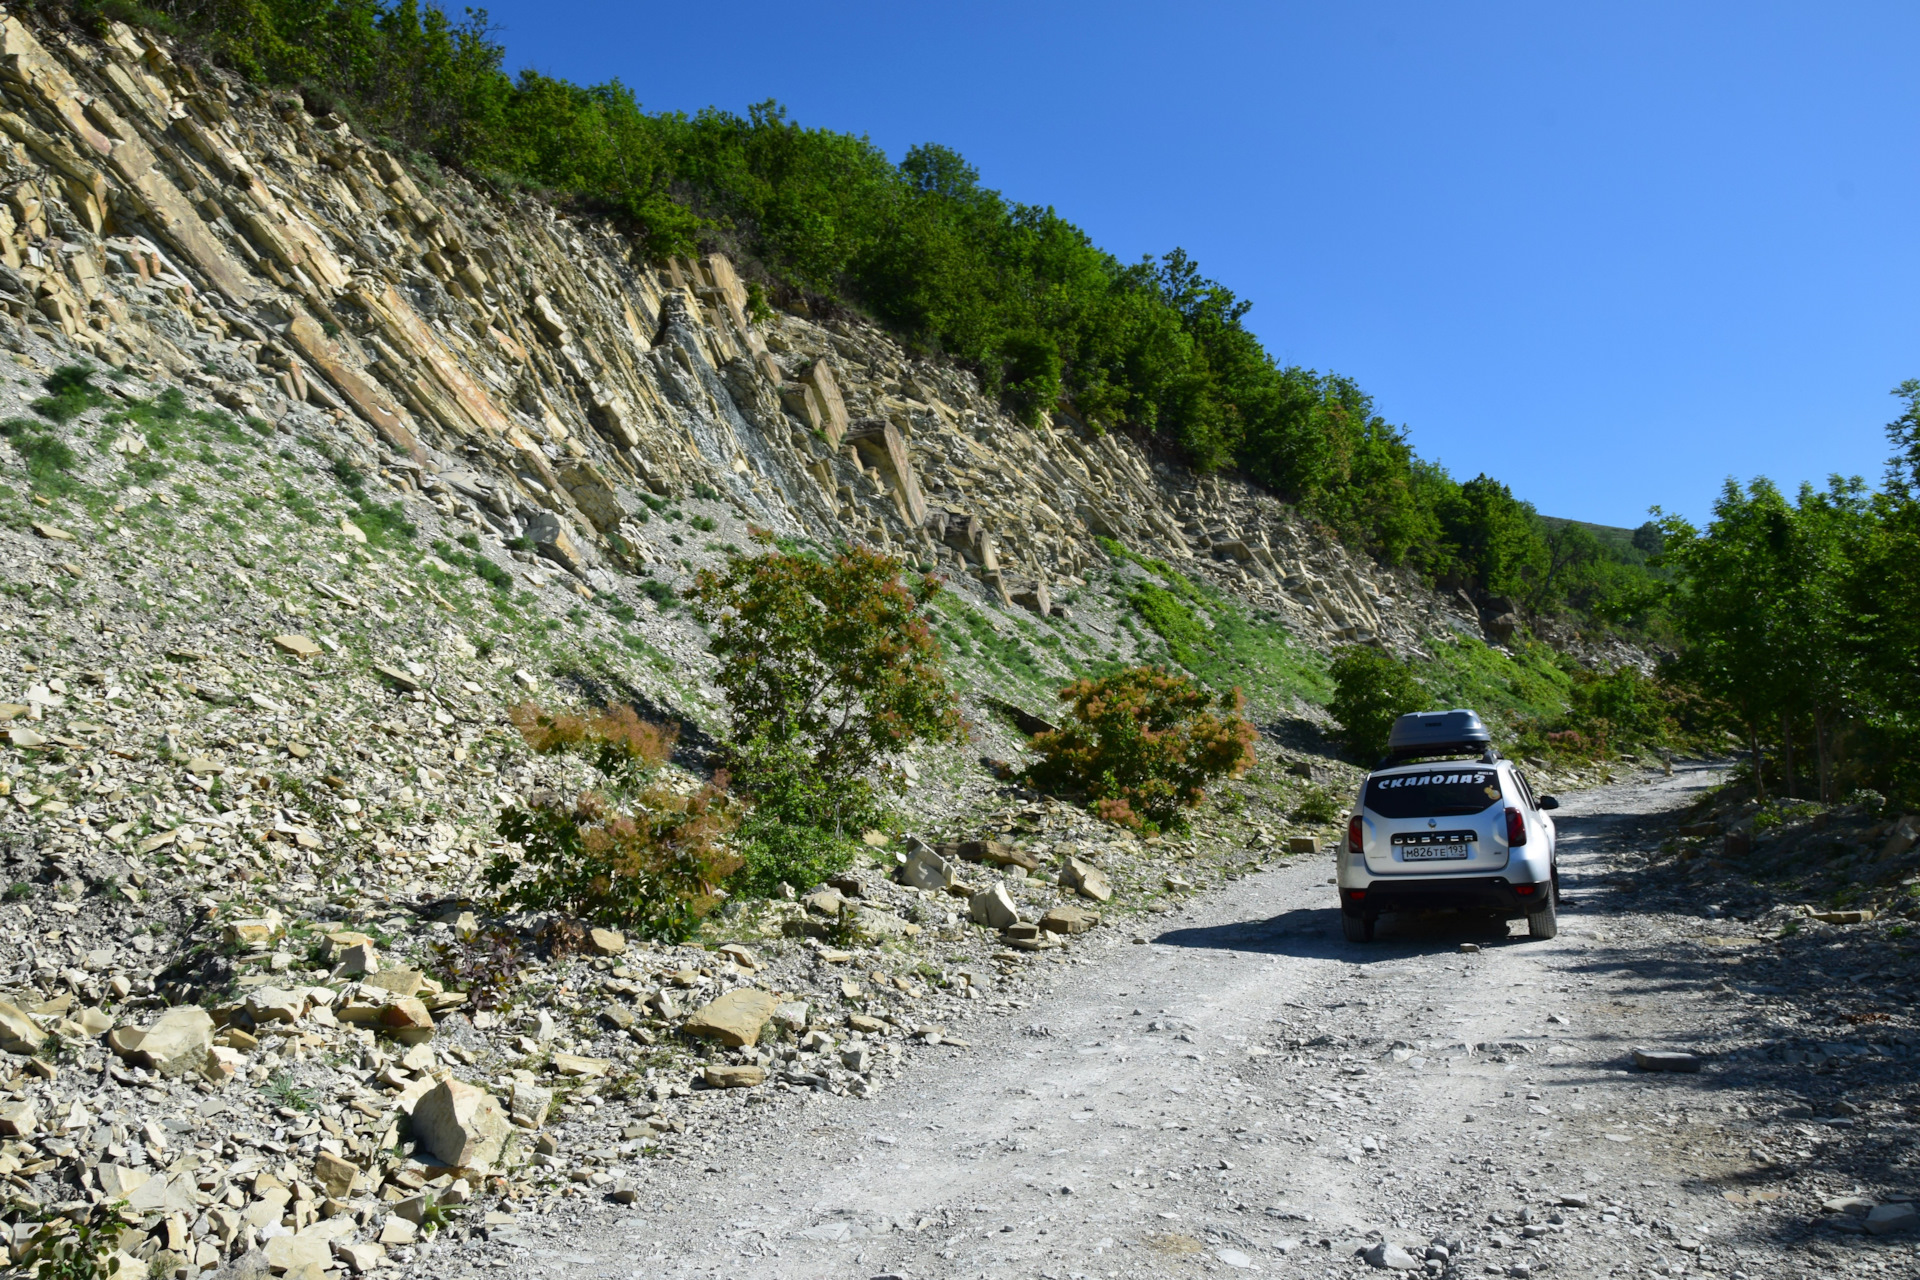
{"x":1370,"y":691}
{"x":829,"y":669}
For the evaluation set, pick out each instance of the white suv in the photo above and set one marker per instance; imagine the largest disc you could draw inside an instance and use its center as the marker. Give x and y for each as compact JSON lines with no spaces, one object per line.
{"x":1433,"y":830}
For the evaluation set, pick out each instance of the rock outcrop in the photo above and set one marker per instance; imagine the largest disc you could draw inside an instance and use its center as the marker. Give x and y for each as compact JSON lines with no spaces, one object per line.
{"x":538,"y":377}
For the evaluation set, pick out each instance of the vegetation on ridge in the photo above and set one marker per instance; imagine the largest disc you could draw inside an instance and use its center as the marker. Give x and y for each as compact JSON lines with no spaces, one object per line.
{"x":1013,"y":291}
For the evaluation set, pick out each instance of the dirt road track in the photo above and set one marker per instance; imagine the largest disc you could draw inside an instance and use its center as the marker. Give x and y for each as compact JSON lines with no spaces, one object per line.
{"x":1248,"y":1092}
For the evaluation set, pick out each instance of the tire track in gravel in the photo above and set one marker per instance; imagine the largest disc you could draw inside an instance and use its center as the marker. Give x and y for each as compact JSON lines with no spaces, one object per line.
{"x":1247,"y":1091}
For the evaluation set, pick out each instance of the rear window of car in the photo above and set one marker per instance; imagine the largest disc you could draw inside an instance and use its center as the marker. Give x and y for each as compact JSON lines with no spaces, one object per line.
{"x":1434,"y":793}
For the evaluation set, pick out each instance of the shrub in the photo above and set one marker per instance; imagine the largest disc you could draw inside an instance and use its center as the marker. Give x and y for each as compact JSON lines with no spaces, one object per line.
{"x":1318,"y":807}
{"x":655,"y":868}
{"x":621,"y":744}
{"x":828,"y":667}
{"x":491,"y":574}
{"x":1370,"y":692}
{"x":70,"y":393}
{"x":50,"y":460}
{"x":1142,"y":745}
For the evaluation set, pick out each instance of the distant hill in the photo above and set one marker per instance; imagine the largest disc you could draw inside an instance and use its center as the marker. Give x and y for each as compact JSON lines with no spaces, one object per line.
{"x":1618,"y":542}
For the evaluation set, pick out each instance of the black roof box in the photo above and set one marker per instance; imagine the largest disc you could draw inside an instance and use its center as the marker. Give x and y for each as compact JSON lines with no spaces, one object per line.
{"x":1438,"y":733}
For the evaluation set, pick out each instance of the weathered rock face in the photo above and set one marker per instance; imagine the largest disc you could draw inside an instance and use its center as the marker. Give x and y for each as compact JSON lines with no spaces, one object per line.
{"x":536,"y":376}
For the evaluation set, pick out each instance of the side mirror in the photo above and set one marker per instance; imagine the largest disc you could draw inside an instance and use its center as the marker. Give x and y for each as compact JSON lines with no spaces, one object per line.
{"x":1549,"y":802}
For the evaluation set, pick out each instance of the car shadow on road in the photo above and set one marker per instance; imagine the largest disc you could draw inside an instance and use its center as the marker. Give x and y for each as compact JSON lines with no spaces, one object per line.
{"x":1314,"y":933}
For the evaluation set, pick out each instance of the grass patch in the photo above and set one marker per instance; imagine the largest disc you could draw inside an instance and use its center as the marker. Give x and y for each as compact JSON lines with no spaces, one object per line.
{"x":50,"y":460}
{"x":1242,"y":648}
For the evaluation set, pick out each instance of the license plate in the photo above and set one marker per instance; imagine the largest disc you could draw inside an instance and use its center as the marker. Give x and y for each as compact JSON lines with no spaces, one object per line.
{"x":1435,"y":852}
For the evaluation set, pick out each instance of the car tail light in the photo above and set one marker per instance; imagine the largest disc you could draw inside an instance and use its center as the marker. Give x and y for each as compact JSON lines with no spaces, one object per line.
{"x":1516,"y":827}
{"x":1353,"y":834}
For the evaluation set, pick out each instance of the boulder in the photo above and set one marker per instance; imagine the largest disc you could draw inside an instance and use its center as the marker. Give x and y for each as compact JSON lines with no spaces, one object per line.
{"x":302,"y":1249}
{"x":999,"y":853}
{"x":606,"y":942}
{"x":275,"y":1004}
{"x":335,"y":1176}
{"x":406,"y":1020}
{"x":572,"y":1064}
{"x":792,"y":1015}
{"x":400,"y":982}
{"x":925,"y":869}
{"x":993,"y":907}
{"x":174,"y":1046}
{"x":18,"y":1032}
{"x":527,"y":1107}
{"x":19,"y":1119}
{"x":724,"y":1077}
{"x":1658,"y":1060}
{"x":1887,"y":1219}
{"x":735,"y":1019}
{"x":1086,"y":880}
{"x":1391,"y":1257}
{"x":1069,"y":919}
{"x":461,"y":1125}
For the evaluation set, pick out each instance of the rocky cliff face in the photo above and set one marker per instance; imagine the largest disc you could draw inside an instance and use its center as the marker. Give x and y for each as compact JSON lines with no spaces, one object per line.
{"x":533,"y":376}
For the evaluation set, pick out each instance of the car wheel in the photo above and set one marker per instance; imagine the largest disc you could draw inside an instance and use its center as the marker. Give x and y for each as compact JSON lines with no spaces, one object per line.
{"x":1356,"y":928}
{"x":1545,"y":923}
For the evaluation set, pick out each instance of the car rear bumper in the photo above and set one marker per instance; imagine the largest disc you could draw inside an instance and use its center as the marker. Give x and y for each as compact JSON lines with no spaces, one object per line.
{"x":1471,"y":893}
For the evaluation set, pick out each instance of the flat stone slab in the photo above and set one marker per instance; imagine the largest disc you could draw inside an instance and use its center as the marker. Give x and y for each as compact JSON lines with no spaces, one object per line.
{"x":1663,"y":1060}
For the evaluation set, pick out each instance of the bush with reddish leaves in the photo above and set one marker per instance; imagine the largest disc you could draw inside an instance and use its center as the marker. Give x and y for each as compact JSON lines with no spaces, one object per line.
{"x":654,"y":865}
{"x":619,"y":742}
{"x":1142,"y":745}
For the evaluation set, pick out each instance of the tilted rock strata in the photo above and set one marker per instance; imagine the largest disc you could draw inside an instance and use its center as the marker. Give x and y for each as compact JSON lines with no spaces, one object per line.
{"x":537,"y":374}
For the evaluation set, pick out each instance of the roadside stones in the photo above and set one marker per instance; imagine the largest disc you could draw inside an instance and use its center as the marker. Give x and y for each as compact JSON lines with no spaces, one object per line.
{"x":606,"y":942}
{"x":1069,"y":919}
{"x":572,"y":1064}
{"x":998,"y":853}
{"x":791,"y":1015}
{"x":1658,"y":1060}
{"x":174,"y":1046}
{"x":527,"y":1107}
{"x":19,"y":1119}
{"x":925,"y":869}
{"x":727,"y":1077}
{"x":735,"y":1019}
{"x":406,"y":1019}
{"x":993,"y":907}
{"x":298,"y":646}
{"x":1388,"y":1256}
{"x":1303,"y":844}
{"x":1854,"y":916}
{"x":18,"y":1032}
{"x":336,"y":1176}
{"x":461,"y":1125}
{"x":856,"y":1058}
{"x":1085,"y":879}
{"x":826,"y":902}
{"x":301,"y":1250}
{"x":1886,"y":1219}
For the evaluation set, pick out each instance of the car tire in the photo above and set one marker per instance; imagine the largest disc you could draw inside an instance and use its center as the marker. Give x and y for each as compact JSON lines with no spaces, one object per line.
{"x":1356,"y":928}
{"x":1545,"y":924}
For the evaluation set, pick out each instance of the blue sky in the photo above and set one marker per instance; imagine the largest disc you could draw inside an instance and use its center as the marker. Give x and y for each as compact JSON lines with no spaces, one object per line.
{"x":1610,"y":254}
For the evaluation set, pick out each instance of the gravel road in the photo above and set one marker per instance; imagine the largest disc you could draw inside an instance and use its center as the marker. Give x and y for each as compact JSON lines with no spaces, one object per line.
{"x":1241,"y":1090}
